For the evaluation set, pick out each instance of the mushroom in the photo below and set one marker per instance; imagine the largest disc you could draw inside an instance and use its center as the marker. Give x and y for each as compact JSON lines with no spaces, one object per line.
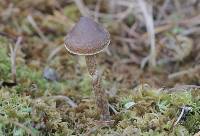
{"x":89,"y":38}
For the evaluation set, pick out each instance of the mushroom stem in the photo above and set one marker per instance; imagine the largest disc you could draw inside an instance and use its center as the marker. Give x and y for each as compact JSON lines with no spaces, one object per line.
{"x":100,"y":94}
{"x":91,"y":64}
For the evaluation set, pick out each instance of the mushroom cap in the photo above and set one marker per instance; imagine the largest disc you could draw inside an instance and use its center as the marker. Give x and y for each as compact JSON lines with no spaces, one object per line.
{"x":87,"y":38}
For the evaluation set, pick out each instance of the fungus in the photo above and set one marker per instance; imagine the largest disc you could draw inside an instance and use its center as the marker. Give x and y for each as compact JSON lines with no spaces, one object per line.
{"x":89,"y":38}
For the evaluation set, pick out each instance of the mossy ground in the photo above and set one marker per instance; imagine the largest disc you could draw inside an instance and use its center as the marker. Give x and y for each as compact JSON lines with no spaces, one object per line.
{"x":23,"y":108}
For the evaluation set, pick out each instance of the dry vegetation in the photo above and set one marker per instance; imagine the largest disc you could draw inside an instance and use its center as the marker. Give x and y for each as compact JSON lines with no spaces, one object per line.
{"x":151,"y":70}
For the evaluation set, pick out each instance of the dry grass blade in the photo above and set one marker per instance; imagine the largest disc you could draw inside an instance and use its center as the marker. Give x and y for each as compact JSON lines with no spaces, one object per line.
{"x":61,"y":97}
{"x":151,"y":32}
{"x":124,"y":39}
{"x":97,"y":8}
{"x":82,"y":8}
{"x":184,"y":72}
{"x":113,"y":109}
{"x":179,"y":117}
{"x":53,"y":53}
{"x":13,"y":58}
{"x":118,"y":16}
{"x":180,"y":88}
{"x":162,"y":10}
{"x":37,"y":29}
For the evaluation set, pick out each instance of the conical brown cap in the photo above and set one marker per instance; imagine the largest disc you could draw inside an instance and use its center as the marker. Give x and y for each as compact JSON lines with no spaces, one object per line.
{"x":87,"y":38}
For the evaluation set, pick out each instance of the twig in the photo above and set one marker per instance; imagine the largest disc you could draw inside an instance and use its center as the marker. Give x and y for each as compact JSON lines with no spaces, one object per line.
{"x":53,"y":53}
{"x":132,"y":31}
{"x":117,"y":16}
{"x":159,"y":29}
{"x":113,"y":109}
{"x":179,"y":117}
{"x":61,"y":97}
{"x":144,"y":62}
{"x":124,"y":14}
{"x":162,"y":10}
{"x":124,"y":39}
{"x":180,"y":88}
{"x":184,"y":72}
{"x":37,"y":29}
{"x":151,"y":32}
{"x":13,"y":58}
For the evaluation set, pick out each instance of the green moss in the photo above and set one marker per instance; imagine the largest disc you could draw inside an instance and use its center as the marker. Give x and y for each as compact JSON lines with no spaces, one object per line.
{"x":85,"y":85}
{"x":14,"y":108}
